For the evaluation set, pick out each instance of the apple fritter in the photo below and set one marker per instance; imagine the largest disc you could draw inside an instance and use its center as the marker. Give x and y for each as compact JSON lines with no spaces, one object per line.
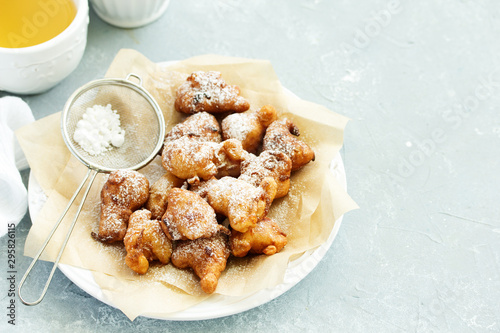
{"x":145,"y":241}
{"x":206,"y":256}
{"x":188,"y":216}
{"x":188,"y":158}
{"x":269,"y":163}
{"x":157,"y":201}
{"x":282,"y":135}
{"x":242,"y":203}
{"x":265,"y":237}
{"x":124,"y":192}
{"x":249,"y":127}
{"x":229,"y":158}
{"x":202,"y":125}
{"x":209,"y":92}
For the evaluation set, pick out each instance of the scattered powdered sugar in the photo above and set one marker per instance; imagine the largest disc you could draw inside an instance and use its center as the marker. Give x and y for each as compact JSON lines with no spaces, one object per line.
{"x":207,"y":91}
{"x":187,"y":158}
{"x":188,"y":216}
{"x":132,"y":191}
{"x":279,"y":137}
{"x":212,"y":88}
{"x":256,"y":168}
{"x":213,"y":250}
{"x":199,"y":140}
{"x":237,"y":126}
{"x":202,"y":126}
{"x":138,"y":221}
{"x":240,"y":201}
{"x":98,"y":129}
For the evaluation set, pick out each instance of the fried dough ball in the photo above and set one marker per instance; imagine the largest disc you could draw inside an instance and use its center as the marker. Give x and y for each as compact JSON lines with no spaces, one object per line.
{"x":207,"y":91}
{"x":266,"y":237}
{"x":243,"y":204}
{"x":269,"y":163}
{"x":157,"y":202}
{"x":282,"y":135}
{"x":248,"y":127}
{"x":188,"y":216}
{"x":206,"y":256}
{"x":201,"y":125}
{"x":188,"y":158}
{"x":229,"y":158}
{"x":124,"y":192}
{"x":145,"y":241}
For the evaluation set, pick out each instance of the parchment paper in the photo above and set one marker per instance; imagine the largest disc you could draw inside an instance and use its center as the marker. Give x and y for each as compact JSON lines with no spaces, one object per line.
{"x":307,"y":214}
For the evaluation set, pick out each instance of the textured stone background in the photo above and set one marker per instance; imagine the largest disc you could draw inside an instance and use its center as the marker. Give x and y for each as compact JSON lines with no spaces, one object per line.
{"x":421,"y":82}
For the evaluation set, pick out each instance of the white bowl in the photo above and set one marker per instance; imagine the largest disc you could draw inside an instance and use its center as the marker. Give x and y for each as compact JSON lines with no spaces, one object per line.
{"x":35,"y":69}
{"x":129,"y":13}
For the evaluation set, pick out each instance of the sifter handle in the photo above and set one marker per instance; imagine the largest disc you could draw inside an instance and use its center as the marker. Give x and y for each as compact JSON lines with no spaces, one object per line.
{"x":37,"y":256}
{"x":136,"y":76}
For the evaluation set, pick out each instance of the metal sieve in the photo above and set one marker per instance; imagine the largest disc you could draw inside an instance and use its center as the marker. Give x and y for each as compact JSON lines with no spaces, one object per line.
{"x":144,"y":125}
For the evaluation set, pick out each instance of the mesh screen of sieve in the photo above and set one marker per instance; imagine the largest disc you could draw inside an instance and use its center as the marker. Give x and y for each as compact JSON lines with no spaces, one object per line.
{"x":140,"y":117}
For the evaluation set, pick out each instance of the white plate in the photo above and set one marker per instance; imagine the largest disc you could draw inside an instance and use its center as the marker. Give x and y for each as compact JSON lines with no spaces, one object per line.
{"x":215,"y":306}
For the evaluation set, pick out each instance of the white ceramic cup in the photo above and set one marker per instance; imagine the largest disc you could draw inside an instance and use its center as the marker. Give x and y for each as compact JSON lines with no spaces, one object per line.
{"x":129,"y":13}
{"x":37,"y":68}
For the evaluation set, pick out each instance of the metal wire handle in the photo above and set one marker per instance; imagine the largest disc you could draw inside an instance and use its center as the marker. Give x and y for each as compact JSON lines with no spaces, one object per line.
{"x":56,"y":262}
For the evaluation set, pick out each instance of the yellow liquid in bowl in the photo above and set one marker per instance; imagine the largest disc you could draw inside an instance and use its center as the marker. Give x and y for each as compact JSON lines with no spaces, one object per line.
{"x":26,"y":23}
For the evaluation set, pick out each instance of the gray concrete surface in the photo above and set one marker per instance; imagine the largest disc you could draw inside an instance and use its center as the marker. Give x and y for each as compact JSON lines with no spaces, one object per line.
{"x":421,"y":82}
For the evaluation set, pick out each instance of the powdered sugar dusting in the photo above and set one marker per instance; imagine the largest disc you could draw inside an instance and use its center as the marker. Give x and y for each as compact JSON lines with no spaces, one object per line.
{"x":207,"y":91}
{"x":241,"y":202}
{"x":275,"y":138}
{"x":236,"y":127}
{"x":140,"y":220}
{"x":124,"y":192}
{"x":215,"y":247}
{"x":236,"y":191}
{"x":202,"y":126}
{"x":131,"y":189}
{"x":281,"y":135}
{"x":254,"y":169}
{"x":211,"y":89}
{"x":188,"y":216}
{"x":187,"y":158}
{"x":269,"y":163}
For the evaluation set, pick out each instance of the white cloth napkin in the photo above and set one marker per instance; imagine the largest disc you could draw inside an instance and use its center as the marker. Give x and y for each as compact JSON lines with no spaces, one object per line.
{"x":14,"y":113}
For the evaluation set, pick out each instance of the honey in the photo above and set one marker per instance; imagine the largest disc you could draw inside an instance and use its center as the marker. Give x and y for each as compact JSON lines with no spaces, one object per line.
{"x":26,"y":23}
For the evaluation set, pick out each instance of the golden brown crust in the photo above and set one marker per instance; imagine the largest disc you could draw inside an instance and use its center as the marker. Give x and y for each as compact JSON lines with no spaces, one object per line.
{"x":248,"y":127}
{"x":207,"y":91}
{"x":229,"y":158}
{"x":145,"y":241}
{"x":281,"y":135}
{"x":188,"y":216}
{"x":243,"y":204}
{"x":269,"y":163}
{"x":124,"y":192}
{"x":206,"y":256}
{"x":265,"y":237}
{"x":203,"y":126}
{"x":188,"y":158}
{"x":157,"y":201}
